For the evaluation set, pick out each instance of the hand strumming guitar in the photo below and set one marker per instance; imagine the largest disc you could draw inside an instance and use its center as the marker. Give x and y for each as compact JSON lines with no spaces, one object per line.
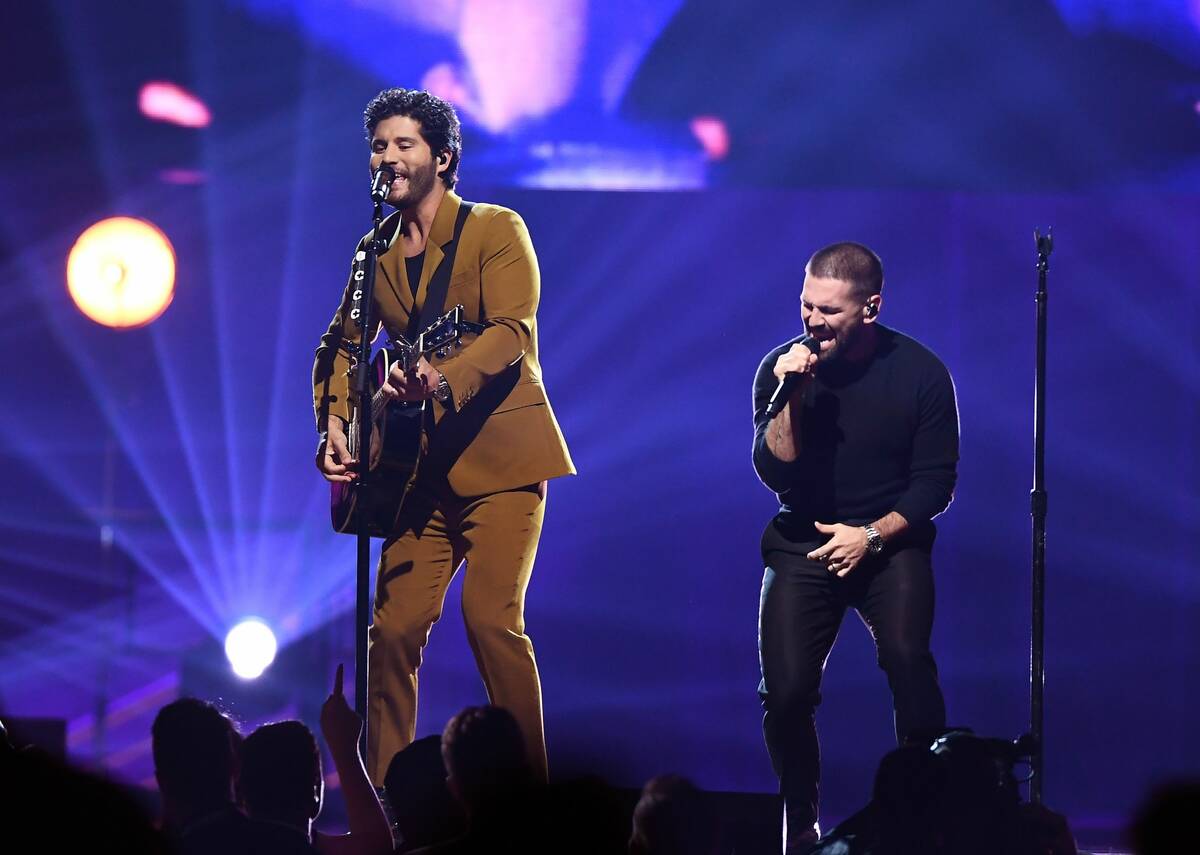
{"x":416,"y":385}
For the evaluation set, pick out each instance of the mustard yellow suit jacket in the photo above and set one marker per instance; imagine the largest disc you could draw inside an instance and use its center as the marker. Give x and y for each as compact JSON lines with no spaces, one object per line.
{"x":497,"y":432}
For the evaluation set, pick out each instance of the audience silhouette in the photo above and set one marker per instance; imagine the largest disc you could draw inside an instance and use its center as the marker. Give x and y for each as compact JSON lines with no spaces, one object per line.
{"x":422,"y":808}
{"x":672,"y":819}
{"x":473,"y":791}
{"x":46,"y":806}
{"x":282,"y":780}
{"x":195,"y":749}
{"x":488,"y":774}
{"x":1166,"y":824}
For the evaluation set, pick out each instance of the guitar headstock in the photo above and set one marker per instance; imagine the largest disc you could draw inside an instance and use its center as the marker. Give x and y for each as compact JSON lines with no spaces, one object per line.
{"x":442,"y":332}
{"x":440,"y":335}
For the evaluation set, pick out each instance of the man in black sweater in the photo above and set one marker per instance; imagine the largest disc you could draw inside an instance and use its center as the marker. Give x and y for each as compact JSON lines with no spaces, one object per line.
{"x":863,"y":455}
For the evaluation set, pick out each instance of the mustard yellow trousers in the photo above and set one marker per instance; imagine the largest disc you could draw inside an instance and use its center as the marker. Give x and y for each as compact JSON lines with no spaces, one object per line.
{"x":497,"y":536}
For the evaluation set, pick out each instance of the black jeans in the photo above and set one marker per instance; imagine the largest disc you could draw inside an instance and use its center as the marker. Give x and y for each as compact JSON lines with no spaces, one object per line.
{"x":799,"y":615}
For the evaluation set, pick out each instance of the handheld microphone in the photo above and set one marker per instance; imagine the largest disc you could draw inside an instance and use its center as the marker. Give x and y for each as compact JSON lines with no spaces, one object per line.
{"x":788,"y":384}
{"x":381,"y":183}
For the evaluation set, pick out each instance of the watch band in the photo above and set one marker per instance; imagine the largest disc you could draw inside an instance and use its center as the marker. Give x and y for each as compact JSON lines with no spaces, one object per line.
{"x":874,"y":540}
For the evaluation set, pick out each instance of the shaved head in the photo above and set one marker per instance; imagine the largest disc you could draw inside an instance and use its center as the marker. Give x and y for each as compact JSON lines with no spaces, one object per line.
{"x":850,"y":262}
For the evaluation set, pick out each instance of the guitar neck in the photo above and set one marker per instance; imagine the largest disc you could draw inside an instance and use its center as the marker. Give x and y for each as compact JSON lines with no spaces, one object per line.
{"x":378,"y":405}
{"x":408,"y":361}
{"x":443,"y":332}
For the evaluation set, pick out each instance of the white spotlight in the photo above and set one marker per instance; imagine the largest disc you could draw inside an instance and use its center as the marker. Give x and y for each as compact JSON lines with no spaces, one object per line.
{"x":250,"y":647}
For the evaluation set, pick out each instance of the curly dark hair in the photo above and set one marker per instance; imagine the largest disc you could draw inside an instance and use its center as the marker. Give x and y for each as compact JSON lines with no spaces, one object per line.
{"x":439,"y":123}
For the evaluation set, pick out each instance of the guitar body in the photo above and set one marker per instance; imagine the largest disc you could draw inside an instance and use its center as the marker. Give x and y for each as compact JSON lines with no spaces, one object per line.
{"x":378,"y":499}
{"x":398,"y":425}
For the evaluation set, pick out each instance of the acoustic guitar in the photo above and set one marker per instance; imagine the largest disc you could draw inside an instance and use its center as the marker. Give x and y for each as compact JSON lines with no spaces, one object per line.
{"x":398,"y":426}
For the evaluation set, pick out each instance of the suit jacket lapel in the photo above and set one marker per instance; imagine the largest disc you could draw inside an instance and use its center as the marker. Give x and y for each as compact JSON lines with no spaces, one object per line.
{"x":440,"y":234}
{"x":392,"y":264}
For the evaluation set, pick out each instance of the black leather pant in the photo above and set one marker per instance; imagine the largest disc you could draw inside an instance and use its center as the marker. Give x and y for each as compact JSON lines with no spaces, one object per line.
{"x":799,"y":615}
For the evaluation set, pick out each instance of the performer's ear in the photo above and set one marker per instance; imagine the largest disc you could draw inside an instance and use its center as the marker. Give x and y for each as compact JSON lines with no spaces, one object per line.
{"x":871,"y":309}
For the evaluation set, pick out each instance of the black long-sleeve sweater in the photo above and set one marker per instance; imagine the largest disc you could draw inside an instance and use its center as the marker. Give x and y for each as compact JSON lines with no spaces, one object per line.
{"x":876,"y":437}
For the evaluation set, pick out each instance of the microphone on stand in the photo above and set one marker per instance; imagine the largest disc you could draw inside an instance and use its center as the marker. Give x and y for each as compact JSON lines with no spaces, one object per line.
{"x":381,"y":183}
{"x":788,"y":384}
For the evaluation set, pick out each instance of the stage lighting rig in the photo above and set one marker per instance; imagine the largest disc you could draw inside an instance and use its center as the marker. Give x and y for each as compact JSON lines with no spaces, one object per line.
{"x":121,"y":272}
{"x":250,"y":647}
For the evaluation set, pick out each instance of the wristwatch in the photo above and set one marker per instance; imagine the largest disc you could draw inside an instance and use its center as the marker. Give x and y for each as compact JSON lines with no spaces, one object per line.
{"x":442,"y":391}
{"x":874,"y":540}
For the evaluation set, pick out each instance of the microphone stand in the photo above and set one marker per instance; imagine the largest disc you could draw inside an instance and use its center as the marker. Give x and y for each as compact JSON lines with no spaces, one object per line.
{"x":1037,"y":664}
{"x":363,"y":299}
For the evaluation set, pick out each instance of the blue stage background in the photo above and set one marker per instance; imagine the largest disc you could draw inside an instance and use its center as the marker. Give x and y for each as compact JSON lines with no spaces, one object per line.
{"x":160,"y":480}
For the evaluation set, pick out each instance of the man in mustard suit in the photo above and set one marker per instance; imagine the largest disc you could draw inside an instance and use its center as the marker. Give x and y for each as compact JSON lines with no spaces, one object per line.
{"x":480,"y":489}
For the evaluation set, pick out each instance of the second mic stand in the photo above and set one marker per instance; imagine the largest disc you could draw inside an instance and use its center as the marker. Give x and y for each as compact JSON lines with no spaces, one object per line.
{"x":1037,"y":497}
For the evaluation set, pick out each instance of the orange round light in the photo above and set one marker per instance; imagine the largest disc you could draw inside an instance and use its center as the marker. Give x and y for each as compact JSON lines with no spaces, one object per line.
{"x":121,"y":272}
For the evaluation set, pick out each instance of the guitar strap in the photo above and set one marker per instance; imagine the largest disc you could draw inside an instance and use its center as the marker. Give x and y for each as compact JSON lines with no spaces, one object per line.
{"x":439,"y":283}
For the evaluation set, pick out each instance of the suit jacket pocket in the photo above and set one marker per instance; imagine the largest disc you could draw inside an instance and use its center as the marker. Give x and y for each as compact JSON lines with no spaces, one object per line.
{"x":516,"y":446}
{"x":523,"y":395}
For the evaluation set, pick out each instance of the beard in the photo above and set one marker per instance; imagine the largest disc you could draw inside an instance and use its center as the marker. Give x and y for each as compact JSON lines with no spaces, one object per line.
{"x":420,"y":182}
{"x":842,"y":343}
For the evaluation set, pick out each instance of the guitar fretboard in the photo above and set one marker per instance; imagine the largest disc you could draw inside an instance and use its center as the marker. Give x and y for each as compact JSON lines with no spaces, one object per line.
{"x":378,"y":401}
